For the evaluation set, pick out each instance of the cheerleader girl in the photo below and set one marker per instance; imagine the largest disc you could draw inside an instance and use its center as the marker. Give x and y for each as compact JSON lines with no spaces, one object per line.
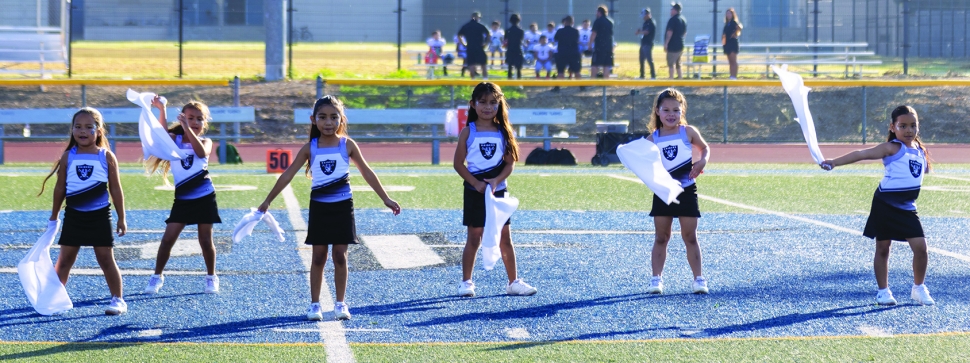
{"x":87,"y":173}
{"x":486,"y":154}
{"x":893,"y":214}
{"x":195,"y":197}
{"x":675,"y":138}
{"x":331,"y":223}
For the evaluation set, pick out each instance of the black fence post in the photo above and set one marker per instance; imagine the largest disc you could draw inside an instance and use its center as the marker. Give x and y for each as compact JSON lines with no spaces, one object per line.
{"x":70,"y":37}
{"x":289,"y":39}
{"x":181,"y":20}
{"x":905,"y":39}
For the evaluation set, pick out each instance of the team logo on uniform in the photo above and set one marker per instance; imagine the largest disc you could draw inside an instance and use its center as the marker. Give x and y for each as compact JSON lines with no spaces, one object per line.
{"x":187,"y":162}
{"x":328,"y":166}
{"x":487,"y":149}
{"x":670,"y":152}
{"x":915,"y":168}
{"x":84,"y":171}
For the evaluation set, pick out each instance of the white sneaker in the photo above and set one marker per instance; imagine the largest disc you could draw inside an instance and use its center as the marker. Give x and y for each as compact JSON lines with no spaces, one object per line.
{"x":922,"y":295}
{"x":885,"y":297}
{"x":154,"y":284}
{"x":211,"y":284}
{"x":314,"y":313}
{"x":341,"y":311}
{"x":700,"y":285}
{"x":656,"y":285}
{"x":117,"y":306}
{"x":466,"y":289}
{"x":520,"y":288}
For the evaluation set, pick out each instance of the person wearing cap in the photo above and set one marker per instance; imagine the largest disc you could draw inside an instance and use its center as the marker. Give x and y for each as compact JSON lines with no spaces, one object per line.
{"x":473,"y":35}
{"x":601,"y":41}
{"x":647,"y":33}
{"x":674,"y":39}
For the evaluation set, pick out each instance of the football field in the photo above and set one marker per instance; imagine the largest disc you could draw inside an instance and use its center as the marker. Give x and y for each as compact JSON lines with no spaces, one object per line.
{"x":789,"y":272}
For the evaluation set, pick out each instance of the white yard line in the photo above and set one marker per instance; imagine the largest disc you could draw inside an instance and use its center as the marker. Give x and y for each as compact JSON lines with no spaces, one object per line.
{"x":801,"y":219}
{"x":360,"y":330}
{"x":401,"y":251}
{"x":332,"y":332}
{"x":875,"y":332}
{"x":934,"y":175}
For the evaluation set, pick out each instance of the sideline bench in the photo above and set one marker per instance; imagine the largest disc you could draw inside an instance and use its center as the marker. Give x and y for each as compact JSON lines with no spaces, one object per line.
{"x":42,"y":46}
{"x":795,"y":54}
{"x":115,"y":116}
{"x":436,"y":117}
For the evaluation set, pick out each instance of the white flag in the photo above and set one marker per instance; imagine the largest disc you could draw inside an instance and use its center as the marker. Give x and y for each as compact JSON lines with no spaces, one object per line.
{"x":643,"y":158}
{"x":155,"y":140}
{"x":41,"y":284}
{"x":497,"y":211}
{"x":795,"y":87}
{"x":246,"y":224}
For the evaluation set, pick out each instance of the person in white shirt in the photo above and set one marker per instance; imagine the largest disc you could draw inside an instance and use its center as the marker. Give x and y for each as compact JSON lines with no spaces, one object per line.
{"x":584,"y":33}
{"x":550,"y":32}
{"x":436,"y":46}
{"x":544,"y":52}
{"x":495,"y":42}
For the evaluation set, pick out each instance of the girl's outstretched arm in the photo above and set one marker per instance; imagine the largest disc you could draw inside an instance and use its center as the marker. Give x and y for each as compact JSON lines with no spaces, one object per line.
{"x":117,"y":194}
{"x":698,"y":141}
{"x":157,"y":102}
{"x":459,"y":163}
{"x":60,"y":188}
{"x":298,"y":162}
{"x":876,"y":152}
{"x":365,"y":171}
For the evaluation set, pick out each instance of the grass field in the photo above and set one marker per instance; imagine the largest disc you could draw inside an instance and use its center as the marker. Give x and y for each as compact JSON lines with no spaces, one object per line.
{"x":790,"y":188}
{"x":221,"y":60}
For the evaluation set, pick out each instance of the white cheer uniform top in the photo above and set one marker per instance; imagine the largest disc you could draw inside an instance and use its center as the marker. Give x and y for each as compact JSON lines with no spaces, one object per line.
{"x":485,"y":155}
{"x":330,"y":168}
{"x":87,"y":180}
{"x":191,"y":174}
{"x":676,"y":155}
{"x":904,"y":174}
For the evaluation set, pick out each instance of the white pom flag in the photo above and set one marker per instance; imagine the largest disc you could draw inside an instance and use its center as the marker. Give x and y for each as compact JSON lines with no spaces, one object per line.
{"x":643,"y":158}
{"x":155,"y":140}
{"x":497,"y":211}
{"x":41,"y":284}
{"x":246,"y":224}
{"x":795,"y":87}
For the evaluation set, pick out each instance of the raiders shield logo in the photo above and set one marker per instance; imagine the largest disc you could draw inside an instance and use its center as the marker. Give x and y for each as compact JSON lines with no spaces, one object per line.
{"x":187,"y":162}
{"x":670,"y":152}
{"x":487,"y":149}
{"x":328,"y":166}
{"x":84,"y":171}
{"x":915,"y":168}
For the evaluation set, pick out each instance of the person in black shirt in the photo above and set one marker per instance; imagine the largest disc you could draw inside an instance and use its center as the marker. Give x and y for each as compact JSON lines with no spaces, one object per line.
{"x":567,"y":55}
{"x":602,"y":43}
{"x":674,"y":40}
{"x":729,"y":38}
{"x":513,"y":45}
{"x":647,"y":33}
{"x":474,"y":35}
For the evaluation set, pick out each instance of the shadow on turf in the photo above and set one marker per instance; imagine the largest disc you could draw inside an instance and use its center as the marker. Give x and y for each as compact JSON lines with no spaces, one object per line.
{"x":29,"y":316}
{"x":63,"y":348}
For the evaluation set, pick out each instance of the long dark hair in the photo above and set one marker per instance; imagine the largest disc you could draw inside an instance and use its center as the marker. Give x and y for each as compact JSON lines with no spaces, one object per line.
{"x":101,"y":141}
{"x":153,"y":164}
{"x":655,"y":123}
{"x":328,"y":100}
{"x":735,"y":18}
{"x":907,"y":110}
{"x":501,"y":119}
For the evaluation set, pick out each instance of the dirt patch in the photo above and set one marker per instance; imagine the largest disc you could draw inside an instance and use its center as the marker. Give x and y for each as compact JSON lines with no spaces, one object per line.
{"x":754,"y":114}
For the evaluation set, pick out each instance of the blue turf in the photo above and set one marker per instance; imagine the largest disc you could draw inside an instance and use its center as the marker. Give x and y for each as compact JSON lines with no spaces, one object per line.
{"x":769,"y":277}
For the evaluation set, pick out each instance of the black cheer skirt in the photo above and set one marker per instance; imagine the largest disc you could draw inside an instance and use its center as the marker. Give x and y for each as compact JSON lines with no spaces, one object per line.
{"x":87,"y":228}
{"x":890,"y":223}
{"x":686,"y":208}
{"x":332,"y":223}
{"x":203,"y":210}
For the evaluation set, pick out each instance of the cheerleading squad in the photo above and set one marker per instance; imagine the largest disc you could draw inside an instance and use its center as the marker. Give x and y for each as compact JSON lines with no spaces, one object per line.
{"x":87,"y":179}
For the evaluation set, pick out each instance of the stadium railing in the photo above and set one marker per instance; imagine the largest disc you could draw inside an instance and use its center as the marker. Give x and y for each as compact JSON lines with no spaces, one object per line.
{"x":113,"y":117}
